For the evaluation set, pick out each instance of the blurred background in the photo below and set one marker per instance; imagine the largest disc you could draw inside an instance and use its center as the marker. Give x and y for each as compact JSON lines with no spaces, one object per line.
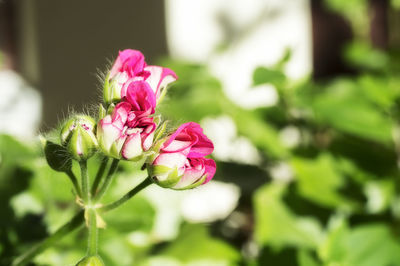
{"x":300,"y":97}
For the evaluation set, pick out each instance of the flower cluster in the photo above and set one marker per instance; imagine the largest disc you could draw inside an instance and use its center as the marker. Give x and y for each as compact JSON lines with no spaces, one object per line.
{"x":127,"y":129}
{"x":127,"y":126}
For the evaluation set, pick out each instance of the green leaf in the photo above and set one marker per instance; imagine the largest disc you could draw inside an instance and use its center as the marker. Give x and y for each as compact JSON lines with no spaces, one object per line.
{"x":319,"y":181}
{"x":195,"y":244}
{"x":57,"y":156}
{"x":367,"y":245}
{"x":343,"y":109}
{"x":277,"y":226}
{"x":263,"y":75}
{"x":304,"y":258}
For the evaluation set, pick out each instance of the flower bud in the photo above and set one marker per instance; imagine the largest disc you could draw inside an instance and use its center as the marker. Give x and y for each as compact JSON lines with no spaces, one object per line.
{"x":91,"y":261}
{"x":180,"y":162}
{"x":77,"y":136}
{"x":128,"y":65}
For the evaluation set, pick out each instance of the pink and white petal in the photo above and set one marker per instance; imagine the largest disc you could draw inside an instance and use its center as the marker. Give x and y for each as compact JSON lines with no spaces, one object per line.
{"x":132,"y":147}
{"x":177,"y":146}
{"x":210,"y":168}
{"x":148,"y":136}
{"x":147,"y":141}
{"x":175,"y":134}
{"x":108,"y":132}
{"x":172,"y":160}
{"x":125,"y":85}
{"x":120,"y":114}
{"x":159,"y":78}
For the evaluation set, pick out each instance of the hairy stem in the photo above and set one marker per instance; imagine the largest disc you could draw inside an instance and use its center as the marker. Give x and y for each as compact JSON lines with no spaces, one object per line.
{"x":74,"y":181}
{"x":76,"y":222}
{"x":99,"y":175}
{"x":107,"y":181}
{"x":85,"y":181}
{"x":93,"y":233}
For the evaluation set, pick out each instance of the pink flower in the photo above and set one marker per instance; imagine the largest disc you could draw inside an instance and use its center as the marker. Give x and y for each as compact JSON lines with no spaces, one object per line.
{"x":129,"y":62}
{"x":130,"y":66}
{"x":181,"y":162}
{"x":129,"y":130}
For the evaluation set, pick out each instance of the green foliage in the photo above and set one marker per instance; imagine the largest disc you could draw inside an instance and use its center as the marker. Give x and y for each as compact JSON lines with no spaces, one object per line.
{"x":337,"y":205}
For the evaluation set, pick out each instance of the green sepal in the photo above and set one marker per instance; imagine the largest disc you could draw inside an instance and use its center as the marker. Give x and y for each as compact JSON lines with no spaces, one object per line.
{"x":155,"y":150}
{"x":172,"y":175}
{"x":113,"y":152}
{"x":102,"y":112}
{"x":144,"y":154}
{"x":162,"y":94}
{"x":111,"y":93}
{"x":160,"y":130}
{"x":107,"y":89}
{"x":110,"y":109}
{"x":57,"y":156}
{"x":91,"y":261}
{"x":194,"y":185}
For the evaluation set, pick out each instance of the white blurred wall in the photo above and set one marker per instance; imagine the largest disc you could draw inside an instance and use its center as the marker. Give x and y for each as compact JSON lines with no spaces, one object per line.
{"x":253,"y":33}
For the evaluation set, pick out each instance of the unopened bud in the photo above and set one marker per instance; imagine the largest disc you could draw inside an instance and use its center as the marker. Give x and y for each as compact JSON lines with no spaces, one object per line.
{"x":77,"y":136}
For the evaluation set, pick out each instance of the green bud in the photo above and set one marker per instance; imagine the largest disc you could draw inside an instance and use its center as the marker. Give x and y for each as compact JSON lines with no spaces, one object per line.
{"x":91,"y":261}
{"x":164,"y":176}
{"x":77,"y":136}
{"x":111,"y":90}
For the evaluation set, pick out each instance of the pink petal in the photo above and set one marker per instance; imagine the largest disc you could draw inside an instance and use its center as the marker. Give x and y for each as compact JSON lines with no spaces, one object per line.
{"x":172,"y":160}
{"x":120,"y":114}
{"x":210,"y":168}
{"x":159,"y":78}
{"x":108,"y":132}
{"x":129,"y":61}
{"x":177,"y":146}
{"x":141,"y":97}
{"x":132,"y":146}
{"x":176,"y":134}
{"x":192,"y":174}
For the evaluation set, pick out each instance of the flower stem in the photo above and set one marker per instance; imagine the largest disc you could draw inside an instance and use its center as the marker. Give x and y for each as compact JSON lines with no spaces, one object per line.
{"x":85,"y":181}
{"x":107,"y":181}
{"x":93,"y":233}
{"x":76,"y":222}
{"x":127,"y":196}
{"x":99,"y":175}
{"x":73,"y":224}
{"x":74,"y":181}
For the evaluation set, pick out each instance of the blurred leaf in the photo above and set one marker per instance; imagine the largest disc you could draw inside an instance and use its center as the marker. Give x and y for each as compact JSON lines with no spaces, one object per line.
{"x":194,"y":244}
{"x":361,"y":54}
{"x":340,"y":108}
{"x":136,"y":214}
{"x":305,"y":259}
{"x":263,"y":75}
{"x":277,"y":226}
{"x":367,"y":245}
{"x":318,"y":180}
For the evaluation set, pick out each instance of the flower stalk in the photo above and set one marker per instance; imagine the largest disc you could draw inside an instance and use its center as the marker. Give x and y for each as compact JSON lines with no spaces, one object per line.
{"x":107,"y":181}
{"x":74,"y":181}
{"x":99,"y":175}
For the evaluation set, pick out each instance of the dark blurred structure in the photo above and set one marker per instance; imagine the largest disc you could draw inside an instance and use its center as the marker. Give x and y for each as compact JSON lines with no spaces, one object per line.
{"x":331,"y":32}
{"x":7,"y":33}
{"x":62,"y":46}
